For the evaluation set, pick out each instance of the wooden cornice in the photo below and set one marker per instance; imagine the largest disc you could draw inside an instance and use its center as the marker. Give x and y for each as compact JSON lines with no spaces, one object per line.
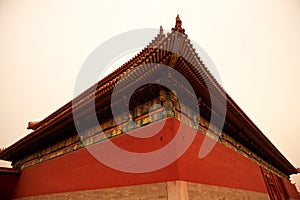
{"x":9,"y":171}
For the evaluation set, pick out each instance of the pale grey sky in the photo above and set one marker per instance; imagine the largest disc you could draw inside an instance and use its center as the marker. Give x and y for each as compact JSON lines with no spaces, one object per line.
{"x":255,"y":45}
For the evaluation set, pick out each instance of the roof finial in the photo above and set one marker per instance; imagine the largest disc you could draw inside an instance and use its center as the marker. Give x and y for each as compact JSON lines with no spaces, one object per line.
{"x":161,"y":33}
{"x":32,"y":125}
{"x":178,"y":25}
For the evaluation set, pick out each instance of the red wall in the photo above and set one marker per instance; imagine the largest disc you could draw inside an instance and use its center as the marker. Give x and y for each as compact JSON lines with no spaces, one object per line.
{"x":81,"y":171}
{"x":290,"y":189}
{"x":7,"y":185}
{"x":221,"y":167}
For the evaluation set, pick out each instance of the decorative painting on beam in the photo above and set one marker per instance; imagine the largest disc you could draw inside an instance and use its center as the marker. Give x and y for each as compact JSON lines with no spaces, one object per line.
{"x":140,"y":116}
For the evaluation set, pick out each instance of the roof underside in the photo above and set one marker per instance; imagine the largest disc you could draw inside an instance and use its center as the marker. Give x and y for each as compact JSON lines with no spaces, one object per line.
{"x":60,"y":124}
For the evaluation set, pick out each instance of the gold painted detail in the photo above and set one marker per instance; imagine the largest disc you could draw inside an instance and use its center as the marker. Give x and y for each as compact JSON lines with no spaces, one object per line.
{"x":166,"y":105}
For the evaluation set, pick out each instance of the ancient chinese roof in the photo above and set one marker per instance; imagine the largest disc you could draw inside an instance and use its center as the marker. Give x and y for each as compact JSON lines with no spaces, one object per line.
{"x":60,"y":124}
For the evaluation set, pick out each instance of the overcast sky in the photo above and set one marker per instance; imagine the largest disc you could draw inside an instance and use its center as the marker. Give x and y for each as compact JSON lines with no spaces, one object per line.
{"x":255,"y":45}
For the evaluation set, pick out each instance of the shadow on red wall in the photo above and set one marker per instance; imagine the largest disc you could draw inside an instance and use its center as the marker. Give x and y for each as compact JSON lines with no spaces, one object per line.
{"x":8,"y":183}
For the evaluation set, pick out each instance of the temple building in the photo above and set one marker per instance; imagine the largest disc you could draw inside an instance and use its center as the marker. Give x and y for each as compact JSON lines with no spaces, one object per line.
{"x":58,"y":160}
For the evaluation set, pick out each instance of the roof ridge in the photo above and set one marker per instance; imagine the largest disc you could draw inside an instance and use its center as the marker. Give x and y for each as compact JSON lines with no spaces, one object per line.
{"x":155,"y":41}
